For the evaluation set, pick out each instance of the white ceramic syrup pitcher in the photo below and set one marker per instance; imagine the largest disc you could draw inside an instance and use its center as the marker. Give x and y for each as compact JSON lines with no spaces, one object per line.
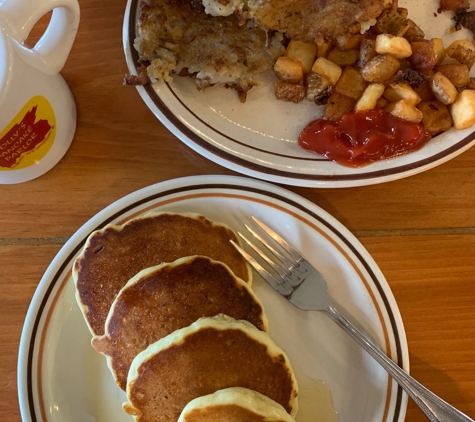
{"x":37,"y":109}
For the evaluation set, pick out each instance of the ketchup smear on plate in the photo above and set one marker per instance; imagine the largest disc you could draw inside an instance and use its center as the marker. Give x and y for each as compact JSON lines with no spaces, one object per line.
{"x":361,"y":137}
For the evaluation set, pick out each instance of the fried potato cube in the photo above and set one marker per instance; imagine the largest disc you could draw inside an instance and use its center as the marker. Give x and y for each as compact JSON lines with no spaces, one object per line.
{"x":367,"y":52}
{"x":382,"y":102}
{"x":370,"y":97}
{"x":463,"y":51}
{"x":456,"y":6}
{"x":351,"y":83}
{"x":443,"y":89}
{"x":425,"y":91}
{"x":286,"y":91}
{"x":391,"y":22}
{"x":463,"y":109}
{"x":288,"y":70}
{"x":414,"y":32}
{"x":439,"y":50}
{"x":401,"y":91}
{"x":329,"y":70}
{"x":403,"y":12}
{"x":323,"y":49}
{"x":405,"y":111}
{"x":380,"y":68}
{"x":315,"y":84}
{"x":344,"y":57}
{"x":303,"y":51}
{"x":397,"y":47}
{"x":337,"y":106}
{"x":458,"y":74}
{"x":349,"y":41}
{"x":423,"y":57}
{"x":435,"y":116}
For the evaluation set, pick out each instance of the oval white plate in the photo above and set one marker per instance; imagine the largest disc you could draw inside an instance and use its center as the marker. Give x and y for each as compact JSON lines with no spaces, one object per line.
{"x":61,"y":378}
{"x":259,"y":138}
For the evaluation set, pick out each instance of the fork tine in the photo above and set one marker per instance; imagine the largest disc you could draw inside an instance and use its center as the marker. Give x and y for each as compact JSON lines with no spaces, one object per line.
{"x":271,"y":280}
{"x":294,"y":253}
{"x":293,"y":274}
{"x":289,"y":265}
{"x":276,"y":268}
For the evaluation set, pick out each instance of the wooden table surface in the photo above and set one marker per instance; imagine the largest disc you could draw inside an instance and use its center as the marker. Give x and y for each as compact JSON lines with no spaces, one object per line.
{"x":420,"y":230}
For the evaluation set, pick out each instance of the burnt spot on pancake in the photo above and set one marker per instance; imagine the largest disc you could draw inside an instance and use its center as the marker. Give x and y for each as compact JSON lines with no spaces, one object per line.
{"x":141,"y":243}
{"x":163,"y":299}
{"x":161,"y":384}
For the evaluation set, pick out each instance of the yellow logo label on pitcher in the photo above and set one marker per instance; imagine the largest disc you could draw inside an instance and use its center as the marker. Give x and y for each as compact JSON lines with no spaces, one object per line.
{"x":29,"y":136}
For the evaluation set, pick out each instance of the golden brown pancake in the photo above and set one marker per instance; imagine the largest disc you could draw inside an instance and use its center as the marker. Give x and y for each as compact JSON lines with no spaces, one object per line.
{"x":113,"y":255}
{"x":165,"y":298}
{"x":235,"y":404}
{"x":209,"y":355}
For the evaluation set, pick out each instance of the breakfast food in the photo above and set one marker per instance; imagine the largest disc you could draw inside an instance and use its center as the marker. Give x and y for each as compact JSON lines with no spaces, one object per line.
{"x":113,"y":255}
{"x":209,"y":355}
{"x":235,"y":404}
{"x":177,"y":37}
{"x":241,"y":39}
{"x":165,"y":298}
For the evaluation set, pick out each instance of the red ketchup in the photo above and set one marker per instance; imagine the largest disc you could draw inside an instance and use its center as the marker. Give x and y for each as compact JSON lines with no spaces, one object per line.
{"x":361,"y":137}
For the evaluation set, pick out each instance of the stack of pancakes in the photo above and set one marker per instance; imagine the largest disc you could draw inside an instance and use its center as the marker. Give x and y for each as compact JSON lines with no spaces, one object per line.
{"x":168,"y":301}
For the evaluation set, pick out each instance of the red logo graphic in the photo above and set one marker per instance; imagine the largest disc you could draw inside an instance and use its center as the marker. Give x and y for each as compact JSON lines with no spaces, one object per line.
{"x":23,"y":138}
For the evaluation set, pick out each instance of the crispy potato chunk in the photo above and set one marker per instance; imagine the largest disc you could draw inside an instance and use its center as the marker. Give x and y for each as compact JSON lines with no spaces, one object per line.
{"x":424,"y":91}
{"x":435,"y":116}
{"x":303,"y":51}
{"x":397,"y":47}
{"x":323,"y":49}
{"x":344,"y":57}
{"x":463,"y":109}
{"x":391,"y":22}
{"x":337,"y":106}
{"x":414,"y":32}
{"x":380,"y":68}
{"x":439,"y":50}
{"x":423,"y":56}
{"x":349,"y":41}
{"x":456,"y":6}
{"x":315,"y":84}
{"x":329,"y":70}
{"x":370,"y":97}
{"x":458,"y":74}
{"x":351,"y":83}
{"x":405,"y":111}
{"x":367,"y":52}
{"x":443,"y":89}
{"x":286,"y":91}
{"x":382,"y":102}
{"x":288,"y":70}
{"x":463,"y":51}
{"x":401,"y":91}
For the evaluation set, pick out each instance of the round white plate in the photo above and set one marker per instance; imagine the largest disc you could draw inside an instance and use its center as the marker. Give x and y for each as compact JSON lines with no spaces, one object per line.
{"x":61,"y":377}
{"x":259,"y":138}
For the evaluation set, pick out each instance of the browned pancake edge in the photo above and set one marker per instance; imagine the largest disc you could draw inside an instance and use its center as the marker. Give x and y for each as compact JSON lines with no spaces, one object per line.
{"x":165,"y":298}
{"x":115,"y":254}
{"x":209,"y":355}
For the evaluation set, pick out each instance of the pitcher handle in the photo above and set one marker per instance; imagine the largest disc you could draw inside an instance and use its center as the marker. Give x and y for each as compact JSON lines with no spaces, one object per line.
{"x":51,"y":51}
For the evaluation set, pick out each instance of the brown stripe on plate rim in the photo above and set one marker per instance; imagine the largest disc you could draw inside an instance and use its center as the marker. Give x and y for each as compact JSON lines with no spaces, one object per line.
{"x":195,"y":138}
{"x":183,"y":189}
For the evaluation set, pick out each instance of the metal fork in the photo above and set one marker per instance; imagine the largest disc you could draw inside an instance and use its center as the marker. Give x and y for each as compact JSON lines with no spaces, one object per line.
{"x":297,"y":280}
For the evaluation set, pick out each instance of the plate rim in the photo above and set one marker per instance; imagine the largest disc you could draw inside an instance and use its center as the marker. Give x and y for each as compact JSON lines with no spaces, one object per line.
{"x":241,"y":165}
{"x":39,"y":302}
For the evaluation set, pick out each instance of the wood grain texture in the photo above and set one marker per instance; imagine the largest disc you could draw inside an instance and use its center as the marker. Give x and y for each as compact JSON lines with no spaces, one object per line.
{"x":420,"y":230}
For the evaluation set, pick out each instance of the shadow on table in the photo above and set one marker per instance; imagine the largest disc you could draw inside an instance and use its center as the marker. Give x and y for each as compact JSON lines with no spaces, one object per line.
{"x":440,"y":383}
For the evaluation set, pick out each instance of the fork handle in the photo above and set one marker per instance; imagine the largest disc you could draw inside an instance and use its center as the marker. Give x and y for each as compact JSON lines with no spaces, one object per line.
{"x":436,"y":409}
